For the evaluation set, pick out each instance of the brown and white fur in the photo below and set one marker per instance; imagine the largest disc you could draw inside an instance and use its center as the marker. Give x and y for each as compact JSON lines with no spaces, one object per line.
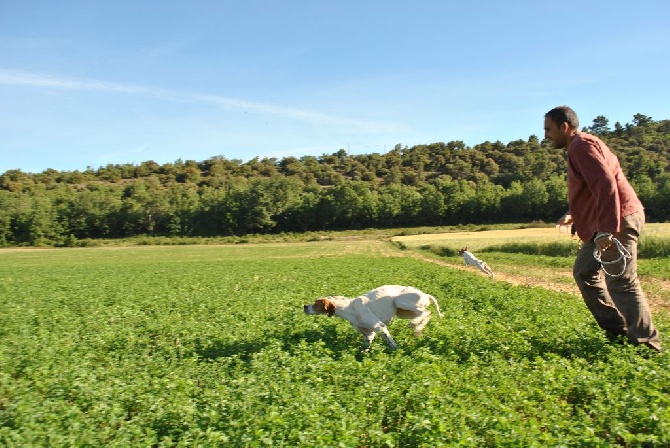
{"x":471,"y":260}
{"x":371,"y":312}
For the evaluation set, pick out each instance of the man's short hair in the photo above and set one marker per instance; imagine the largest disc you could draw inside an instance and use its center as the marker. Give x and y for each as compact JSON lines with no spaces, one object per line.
{"x":563,"y":114}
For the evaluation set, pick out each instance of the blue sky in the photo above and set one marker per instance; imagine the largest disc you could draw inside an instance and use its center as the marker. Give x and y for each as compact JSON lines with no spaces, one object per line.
{"x":89,"y":83}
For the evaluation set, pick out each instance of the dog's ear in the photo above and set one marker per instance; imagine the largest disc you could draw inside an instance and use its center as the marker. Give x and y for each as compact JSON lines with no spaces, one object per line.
{"x":329,"y":306}
{"x":325,"y":305}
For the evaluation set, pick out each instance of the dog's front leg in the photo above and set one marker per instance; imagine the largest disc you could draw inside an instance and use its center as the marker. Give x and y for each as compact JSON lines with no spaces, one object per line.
{"x":368,"y":337}
{"x":384,"y":332}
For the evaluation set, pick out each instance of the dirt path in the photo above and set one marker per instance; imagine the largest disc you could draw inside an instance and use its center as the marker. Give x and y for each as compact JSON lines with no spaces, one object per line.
{"x":503,"y":277}
{"x":658,"y":291}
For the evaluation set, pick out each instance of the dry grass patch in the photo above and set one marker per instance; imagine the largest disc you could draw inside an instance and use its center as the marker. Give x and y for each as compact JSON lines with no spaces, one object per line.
{"x":476,"y":241}
{"x":482,"y":239}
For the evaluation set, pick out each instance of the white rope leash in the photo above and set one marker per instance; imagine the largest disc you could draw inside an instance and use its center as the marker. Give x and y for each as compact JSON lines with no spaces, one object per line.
{"x":623,"y":255}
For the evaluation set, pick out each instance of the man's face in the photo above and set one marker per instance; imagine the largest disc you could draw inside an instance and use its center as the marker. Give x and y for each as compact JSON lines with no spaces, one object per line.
{"x":557,"y":134}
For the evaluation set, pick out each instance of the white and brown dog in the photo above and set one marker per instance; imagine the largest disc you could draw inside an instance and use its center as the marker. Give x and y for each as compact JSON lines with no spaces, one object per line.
{"x":371,"y":312}
{"x":471,"y":260}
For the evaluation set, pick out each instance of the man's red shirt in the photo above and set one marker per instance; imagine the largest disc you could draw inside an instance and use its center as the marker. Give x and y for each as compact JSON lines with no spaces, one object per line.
{"x":599,"y":194}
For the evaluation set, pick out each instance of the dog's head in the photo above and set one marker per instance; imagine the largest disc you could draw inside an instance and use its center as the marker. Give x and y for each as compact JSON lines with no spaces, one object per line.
{"x":321,"y":306}
{"x":463,"y":250}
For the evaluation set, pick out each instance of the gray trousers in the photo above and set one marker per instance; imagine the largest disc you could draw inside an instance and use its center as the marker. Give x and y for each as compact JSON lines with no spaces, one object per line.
{"x":617,"y":303}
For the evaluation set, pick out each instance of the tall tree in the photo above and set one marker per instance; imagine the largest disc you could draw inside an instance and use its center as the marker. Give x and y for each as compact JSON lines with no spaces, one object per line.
{"x":600,"y":126}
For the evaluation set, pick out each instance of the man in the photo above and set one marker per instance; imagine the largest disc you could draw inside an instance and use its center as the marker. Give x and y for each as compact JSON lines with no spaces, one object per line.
{"x":603,"y":206}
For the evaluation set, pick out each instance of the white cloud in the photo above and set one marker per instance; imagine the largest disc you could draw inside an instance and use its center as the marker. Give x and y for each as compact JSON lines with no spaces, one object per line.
{"x":26,"y":79}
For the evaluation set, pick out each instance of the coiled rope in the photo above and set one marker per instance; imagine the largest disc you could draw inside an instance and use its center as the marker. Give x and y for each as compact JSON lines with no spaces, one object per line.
{"x":624,"y":255}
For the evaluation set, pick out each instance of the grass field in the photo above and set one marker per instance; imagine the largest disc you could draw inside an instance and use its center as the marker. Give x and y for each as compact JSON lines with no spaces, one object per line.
{"x":209,"y":346}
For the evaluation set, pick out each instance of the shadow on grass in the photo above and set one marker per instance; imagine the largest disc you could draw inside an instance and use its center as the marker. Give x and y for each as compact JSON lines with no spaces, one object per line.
{"x":326,"y":338}
{"x":329,"y":340}
{"x":216,"y":349}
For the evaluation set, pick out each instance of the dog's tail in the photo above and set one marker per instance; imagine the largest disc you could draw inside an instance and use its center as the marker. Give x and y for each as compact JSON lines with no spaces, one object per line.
{"x":437,"y":307}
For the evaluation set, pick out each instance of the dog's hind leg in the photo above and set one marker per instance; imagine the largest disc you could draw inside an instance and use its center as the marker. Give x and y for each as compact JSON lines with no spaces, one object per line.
{"x":420,"y":322}
{"x":416,"y":317}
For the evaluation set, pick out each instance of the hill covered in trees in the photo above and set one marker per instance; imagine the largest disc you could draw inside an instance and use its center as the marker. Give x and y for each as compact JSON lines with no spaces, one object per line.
{"x":436,"y":184}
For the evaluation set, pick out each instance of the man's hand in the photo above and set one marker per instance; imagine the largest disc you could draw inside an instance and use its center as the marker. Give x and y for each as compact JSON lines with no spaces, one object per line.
{"x":603,"y":240}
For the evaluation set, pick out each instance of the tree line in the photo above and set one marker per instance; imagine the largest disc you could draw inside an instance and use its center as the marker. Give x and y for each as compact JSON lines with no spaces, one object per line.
{"x":423,"y":185}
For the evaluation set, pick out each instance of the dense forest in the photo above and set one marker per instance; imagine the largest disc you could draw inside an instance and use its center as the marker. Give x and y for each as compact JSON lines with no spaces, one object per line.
{"x":435,"y":184}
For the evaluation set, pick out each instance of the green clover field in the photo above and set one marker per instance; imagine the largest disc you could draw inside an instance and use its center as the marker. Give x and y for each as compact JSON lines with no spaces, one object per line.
{"x":209,"y":346}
